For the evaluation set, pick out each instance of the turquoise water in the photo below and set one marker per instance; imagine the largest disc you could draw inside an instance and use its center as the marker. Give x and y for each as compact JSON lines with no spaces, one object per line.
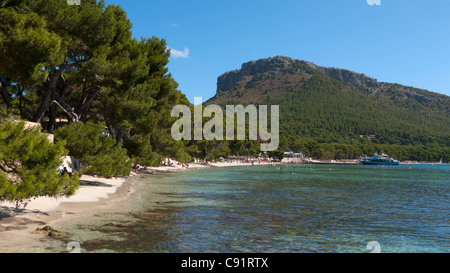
{"x":318,"y":208}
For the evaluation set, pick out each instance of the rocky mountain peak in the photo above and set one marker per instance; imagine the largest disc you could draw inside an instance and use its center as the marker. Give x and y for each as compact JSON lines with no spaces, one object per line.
{"x":264,"y":68}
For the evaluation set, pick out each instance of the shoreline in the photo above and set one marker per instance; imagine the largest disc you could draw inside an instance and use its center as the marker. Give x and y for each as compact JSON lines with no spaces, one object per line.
{"x":195,"y":166}
{"x":17,"y":225}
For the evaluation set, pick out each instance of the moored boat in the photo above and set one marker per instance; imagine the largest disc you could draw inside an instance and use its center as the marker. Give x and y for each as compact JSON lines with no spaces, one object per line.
{"x":378,"y":160}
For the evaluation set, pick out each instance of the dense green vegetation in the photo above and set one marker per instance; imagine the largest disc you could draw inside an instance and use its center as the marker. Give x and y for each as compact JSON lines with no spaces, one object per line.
{"x":333,"y":114}
{"x":29,"y":165}
{"x":328,"y":110}
{"x":100,"y":154}
{"x":79,"y":63}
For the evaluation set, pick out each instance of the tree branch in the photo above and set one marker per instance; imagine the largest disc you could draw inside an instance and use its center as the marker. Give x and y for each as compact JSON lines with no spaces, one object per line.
{"x":69,"y":111}
{"x":88,"y":100}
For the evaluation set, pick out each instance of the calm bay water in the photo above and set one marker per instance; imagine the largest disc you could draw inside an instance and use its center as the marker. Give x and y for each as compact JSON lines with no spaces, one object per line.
{"x":318,"y":208}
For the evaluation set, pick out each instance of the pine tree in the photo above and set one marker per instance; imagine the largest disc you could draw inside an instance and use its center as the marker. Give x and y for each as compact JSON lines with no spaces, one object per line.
{"x":98,"y":153}
{"x":81,"y":63}
{"x":29,"y":165}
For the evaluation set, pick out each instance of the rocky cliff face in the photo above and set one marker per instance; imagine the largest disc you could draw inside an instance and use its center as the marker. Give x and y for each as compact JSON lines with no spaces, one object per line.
{"x":261,"y":68}
{"x":347,"y":76}
{"x":278,"y":65}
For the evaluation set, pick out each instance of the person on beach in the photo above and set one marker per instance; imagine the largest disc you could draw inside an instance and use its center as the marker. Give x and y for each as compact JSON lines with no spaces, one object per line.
{"x":65,"y":171}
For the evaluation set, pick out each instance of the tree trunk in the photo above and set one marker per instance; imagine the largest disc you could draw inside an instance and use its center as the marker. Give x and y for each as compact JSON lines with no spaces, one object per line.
{"x":53,"y":112}
{"x":5,"y":95}
{"x":49,"y":89}
{"x":45,"y":102}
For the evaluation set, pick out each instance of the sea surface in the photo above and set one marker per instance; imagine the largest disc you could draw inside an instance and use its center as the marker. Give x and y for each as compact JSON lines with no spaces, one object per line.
{"x":282,"y":209}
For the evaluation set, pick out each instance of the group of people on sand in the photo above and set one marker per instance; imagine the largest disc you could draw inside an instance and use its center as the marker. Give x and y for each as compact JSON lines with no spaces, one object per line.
{"x":169,"y":163}
{"x":64,"y":171}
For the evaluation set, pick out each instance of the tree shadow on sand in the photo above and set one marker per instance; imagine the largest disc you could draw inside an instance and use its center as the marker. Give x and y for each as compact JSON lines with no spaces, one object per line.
{"x":94,"y":184}
{"x":8,"y":221}
{"x":7,"y":212}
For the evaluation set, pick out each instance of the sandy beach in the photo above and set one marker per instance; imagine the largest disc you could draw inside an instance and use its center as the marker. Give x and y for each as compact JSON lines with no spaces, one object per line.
{"x":195,"y":166}
{"x":17,"y":225}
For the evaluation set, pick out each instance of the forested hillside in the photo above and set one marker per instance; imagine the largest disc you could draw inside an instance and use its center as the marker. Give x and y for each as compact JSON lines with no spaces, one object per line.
{"x":331,"y":108}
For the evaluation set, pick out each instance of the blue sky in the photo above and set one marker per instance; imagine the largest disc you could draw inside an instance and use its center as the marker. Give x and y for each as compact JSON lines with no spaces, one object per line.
{"x":399,"y":41}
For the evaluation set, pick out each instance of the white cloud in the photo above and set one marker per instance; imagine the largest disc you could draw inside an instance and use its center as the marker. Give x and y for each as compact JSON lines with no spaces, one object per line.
{"x":179,"y":54}
{"x":175,"y":25}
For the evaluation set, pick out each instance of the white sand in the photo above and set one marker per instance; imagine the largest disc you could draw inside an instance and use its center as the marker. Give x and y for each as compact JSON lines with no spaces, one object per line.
{"x":17,"y":225}
{"x":91,"y":189}
{"x":193,"y":166}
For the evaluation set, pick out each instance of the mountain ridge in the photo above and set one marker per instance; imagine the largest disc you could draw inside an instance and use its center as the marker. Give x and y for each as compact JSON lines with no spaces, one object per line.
{"x":280,"y":64}
{"x":273,"y":64}
{"x":338,"y":105}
